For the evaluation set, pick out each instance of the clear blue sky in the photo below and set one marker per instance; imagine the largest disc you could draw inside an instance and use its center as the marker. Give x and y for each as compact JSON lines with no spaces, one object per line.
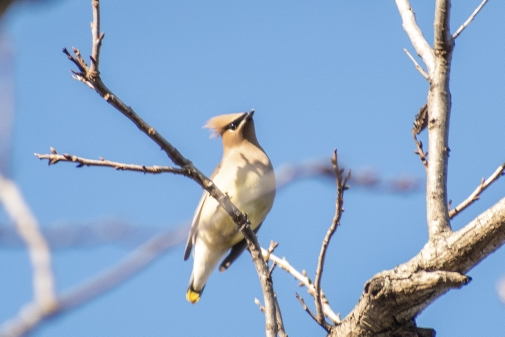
{"x":321,"y":75}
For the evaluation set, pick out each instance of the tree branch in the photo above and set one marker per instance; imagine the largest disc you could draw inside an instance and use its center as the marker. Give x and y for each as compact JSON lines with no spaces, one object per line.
{"x":341,"y":187}
{"x":91,"y":76}
{"x":439,"y":107}
{"x":476,"y":194}
{"x":38,"y":250}
{"x":418,"y":67}
{"x":32,"y":315}
{"x":467,"y":22}
{"x":393,"y":298}
{"x":305,"y":281}
{"x":415,"y":34}
{"x":54,"y":158}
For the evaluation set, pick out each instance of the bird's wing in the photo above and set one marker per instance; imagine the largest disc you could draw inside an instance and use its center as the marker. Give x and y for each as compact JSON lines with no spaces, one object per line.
{"x":194,"y":226}
{"x":196,"y":218}
{"x":235,"y":252}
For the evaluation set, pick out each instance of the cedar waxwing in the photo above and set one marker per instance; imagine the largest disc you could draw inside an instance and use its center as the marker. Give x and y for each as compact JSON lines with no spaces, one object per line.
{"x":246,"y":175}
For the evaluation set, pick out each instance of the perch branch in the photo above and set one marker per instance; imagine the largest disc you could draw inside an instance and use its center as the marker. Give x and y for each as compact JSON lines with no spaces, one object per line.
{"x":91,"y":76}
{"x":341,"y":183}
{"x":467,"y":22}
{"x":476,"y":194}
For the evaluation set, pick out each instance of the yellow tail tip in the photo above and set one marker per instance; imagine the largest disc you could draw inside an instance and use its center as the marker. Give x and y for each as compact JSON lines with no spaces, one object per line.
{"x":192,"y":296}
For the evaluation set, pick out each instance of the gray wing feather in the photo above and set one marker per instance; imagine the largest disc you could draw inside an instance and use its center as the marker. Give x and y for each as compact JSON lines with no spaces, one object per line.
{"x":194,"y":226}
{"x":235,"y":252}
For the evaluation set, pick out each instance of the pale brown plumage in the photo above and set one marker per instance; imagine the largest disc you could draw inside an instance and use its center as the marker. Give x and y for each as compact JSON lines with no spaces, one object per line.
{"x":246,"y":175}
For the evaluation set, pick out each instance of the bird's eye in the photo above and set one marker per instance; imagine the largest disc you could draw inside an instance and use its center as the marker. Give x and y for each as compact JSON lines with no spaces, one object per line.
{"x":232,"y":126}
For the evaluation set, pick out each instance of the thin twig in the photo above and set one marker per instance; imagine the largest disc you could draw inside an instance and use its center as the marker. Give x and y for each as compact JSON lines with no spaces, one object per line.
{"x":278,"y":315}
{"x":305,"y":281}
{"x":55,"y":158}
{"x":270,"y":250}
{"x":260,"y":306}
{"x":91,"y":76}
{"x":476,"y":194}
{"x":418,"y":67}
{"x":467,"y":22}
{"x":341,"y":183}
{"x":306,"y":308}
{"x":420,"y":152}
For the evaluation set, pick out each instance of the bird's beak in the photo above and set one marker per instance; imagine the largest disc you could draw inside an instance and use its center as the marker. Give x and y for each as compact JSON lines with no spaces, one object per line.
{"x":249,"y":115}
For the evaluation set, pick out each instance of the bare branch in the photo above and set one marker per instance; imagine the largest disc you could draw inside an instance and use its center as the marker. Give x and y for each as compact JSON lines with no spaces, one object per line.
{"x":278,"y":315}
{"x":415,"y":34}
{"x":306,"y":308}
{"x":476,"y":194}
{"x":418,"y":67}
{"x":55,"y":158}
{"x":28,"y":229}
{"x":32,"y":315}
{"x":92,"y":77}
{"x":467,"y":22}
{"x":341,"y":187}
{"x":439,"y":108}
{"x":395,"y":297}
{"x":305,"y":281}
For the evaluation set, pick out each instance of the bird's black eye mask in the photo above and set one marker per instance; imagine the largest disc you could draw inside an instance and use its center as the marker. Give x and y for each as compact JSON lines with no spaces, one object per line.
{"x":234,"y":125}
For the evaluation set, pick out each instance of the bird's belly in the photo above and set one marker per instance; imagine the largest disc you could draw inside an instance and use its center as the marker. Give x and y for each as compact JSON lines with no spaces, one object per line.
{"x":252,"y":195}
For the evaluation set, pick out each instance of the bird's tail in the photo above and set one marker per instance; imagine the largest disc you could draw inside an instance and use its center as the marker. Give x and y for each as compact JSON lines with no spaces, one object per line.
{"x":193,"y":295}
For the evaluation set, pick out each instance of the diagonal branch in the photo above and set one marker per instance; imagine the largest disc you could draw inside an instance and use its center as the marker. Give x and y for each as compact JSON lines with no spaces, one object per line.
{"x":467,"y":22}
{"x":38,"y":250}
{"x":55,"y":158}
{"x":415,"y":34}
{"x":418,"y":67}
{"x":304,"y":281}
{"x":92,"y":78}
{"x":341,"y":187}
{"x":394,"y":298}
{"x":33,"y":314}
{"x":28,"y":229}
{"x":476,"y":194}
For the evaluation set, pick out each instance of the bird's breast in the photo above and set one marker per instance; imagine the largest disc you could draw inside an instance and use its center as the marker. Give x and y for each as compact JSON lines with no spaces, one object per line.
{"x":250,"y":184}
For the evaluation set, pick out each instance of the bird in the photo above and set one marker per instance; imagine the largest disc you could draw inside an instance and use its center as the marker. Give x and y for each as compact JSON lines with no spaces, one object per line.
{"x":246,"y":175}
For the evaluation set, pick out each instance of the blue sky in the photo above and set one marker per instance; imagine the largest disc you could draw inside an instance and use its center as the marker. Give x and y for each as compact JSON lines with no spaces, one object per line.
{"x":321,"y":75}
